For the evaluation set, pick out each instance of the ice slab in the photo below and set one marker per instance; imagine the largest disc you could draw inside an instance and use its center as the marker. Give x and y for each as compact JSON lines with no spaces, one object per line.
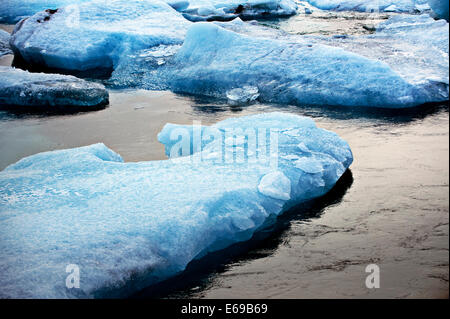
{"x":210,"y":10}
{"x":213,"y":61}
{"x":11,"y":11}
{"x":48,"y":92}
{"x":414,"y":46}
{"x":93,"y":36}
{"x":369,"y":5}
{"x":129,"y":225}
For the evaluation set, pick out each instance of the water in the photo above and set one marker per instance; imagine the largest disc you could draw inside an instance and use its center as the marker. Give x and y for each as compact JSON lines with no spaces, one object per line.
{"x":391,"y":208}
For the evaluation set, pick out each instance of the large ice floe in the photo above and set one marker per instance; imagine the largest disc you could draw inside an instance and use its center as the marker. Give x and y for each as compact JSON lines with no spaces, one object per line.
{"x":129,"y":225}
{"x":371,"y":5}
{"x":12,"y":11}
{"x":209,"y":10}
{"x":48,"y":92}
{"x":91,"y":38}
{"x":293,"y":70}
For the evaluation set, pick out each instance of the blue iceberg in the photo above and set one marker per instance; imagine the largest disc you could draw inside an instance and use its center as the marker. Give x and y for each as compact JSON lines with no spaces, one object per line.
{"x":11,"y":11}
{"x":130,"y":225}
{"x":91,"y":37}
{"x":213,"y":61}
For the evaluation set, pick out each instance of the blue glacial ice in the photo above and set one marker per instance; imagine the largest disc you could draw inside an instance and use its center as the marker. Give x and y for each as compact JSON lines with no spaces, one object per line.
{"x":208,"y":10}
{"x":440,"y":7}
{"x":11,"y":11}
{"x":129,"y":225}
{"x":213,"y":61}
{"x":414,"y":46}
{"x":371,"y":6}
{"x":4,"y":43}
{"x":92,"y":36}
{"x":48,"y":92}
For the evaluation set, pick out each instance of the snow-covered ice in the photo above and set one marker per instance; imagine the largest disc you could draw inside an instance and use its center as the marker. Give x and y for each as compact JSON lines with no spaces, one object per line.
{"x":48,"y":92}
{"x":129,"y":225}
{"x":4,"y":43}
{"x":11,"y":11}
{"x":105,"y":31}
{"x":208,"y":10}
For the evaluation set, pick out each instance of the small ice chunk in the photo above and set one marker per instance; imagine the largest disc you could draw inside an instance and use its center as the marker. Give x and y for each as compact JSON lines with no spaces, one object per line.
{"x":245,"y":94}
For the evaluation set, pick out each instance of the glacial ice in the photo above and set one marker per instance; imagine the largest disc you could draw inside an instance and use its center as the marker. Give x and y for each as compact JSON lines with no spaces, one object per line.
{"x":208,"y":10}
{"x":213,"y":61}
{"x":440,"y":7}
{"x":105,"y":31}
{"x":11,"y":11}
{"x":370,"y":5}
{"x":245,"y":94}
{"x":415,"y":46}
{"x":129,"y":225}
{"x":48,"y":92}
{"x":4,"y":43}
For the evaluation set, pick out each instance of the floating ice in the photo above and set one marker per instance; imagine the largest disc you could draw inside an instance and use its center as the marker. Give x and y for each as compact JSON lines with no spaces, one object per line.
{"x":414,"y":46}
{"x":4,"y":43}
{"x":129,"y":225}
{"x":11,"y":11}
{"x":368,"y":5}
{"x":213,"y":61}
{"x":48,"y":92}
{"x":92,"y":37}
{"x":209,"y":10}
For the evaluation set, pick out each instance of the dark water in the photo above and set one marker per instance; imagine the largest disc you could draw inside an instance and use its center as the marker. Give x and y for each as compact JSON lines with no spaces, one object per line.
{"x":391,"y":208}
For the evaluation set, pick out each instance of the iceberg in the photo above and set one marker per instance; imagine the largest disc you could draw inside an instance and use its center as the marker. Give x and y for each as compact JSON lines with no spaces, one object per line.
{"x":48,"y":92}
{"x":213,"y":61}
{"x":129,"y":225}
{"x":210,"y":10}
{"x":414,"y":46}
{"x":12,"y":11}
{"x":90,"y":39}
{"x":4,"y":43}
{"x":369,"y":5}
{"x":440,"y":7}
